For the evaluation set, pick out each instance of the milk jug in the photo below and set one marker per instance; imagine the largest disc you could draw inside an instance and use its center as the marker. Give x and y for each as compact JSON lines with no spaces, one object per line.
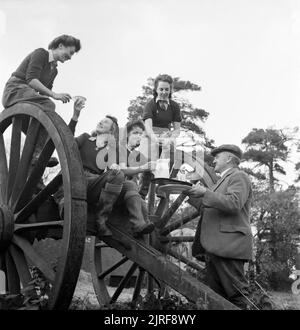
{"x":162,"y":168}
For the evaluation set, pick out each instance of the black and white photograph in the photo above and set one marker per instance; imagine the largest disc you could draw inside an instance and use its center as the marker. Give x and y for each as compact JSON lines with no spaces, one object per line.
{"x":150,"y":157}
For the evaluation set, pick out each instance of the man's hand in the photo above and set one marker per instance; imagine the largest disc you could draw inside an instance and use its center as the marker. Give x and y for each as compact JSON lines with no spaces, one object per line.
{"x":78,"y":106}
{"x":150,"y":166}
{"x":64,"y":97}
{"x":197,"y":191}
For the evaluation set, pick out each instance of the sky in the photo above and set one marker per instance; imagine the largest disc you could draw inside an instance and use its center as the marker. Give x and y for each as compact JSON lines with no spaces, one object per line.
{"x":245,"y":54}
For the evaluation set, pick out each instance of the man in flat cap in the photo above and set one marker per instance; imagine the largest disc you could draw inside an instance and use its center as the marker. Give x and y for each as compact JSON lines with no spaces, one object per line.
{"x":225,"y":229}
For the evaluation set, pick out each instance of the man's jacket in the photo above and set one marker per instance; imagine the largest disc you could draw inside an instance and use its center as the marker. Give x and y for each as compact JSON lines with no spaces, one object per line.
{"x":225,"y":228}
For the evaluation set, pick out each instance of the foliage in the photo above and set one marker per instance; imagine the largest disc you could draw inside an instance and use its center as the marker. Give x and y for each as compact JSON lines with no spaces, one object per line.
{"x":32,"y":297}
{"x":155,"y":301}
{"x":297,"y":167}
{"x":268,"y":149}
{"x":276,"y":218}
{"x":275,"y":212}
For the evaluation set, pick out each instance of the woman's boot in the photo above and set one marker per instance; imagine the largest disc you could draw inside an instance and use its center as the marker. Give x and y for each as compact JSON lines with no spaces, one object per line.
{"x":133,"y":203}
{"x":107,"y":199}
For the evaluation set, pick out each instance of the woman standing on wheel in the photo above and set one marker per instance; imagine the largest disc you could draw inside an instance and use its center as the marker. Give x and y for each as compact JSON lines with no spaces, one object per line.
{"x":160,"y":114}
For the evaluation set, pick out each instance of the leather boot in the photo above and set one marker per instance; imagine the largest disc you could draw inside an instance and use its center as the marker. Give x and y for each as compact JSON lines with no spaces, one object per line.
{"x":134,"y":206}
{"x":41,"y":141}
{"x":107,"y":199}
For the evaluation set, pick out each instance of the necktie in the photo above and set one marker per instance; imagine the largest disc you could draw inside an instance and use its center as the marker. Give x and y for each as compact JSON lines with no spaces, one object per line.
{"x":163,"y":104}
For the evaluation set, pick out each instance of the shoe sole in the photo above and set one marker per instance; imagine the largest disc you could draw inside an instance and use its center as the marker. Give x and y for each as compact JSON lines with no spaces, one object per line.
{"x":146,"y":230}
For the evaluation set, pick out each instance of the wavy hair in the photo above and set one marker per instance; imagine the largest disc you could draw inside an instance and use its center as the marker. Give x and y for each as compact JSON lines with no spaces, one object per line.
{"x":67,"y":41}
{"x":164,"y":78}
{"x":114,"y":131}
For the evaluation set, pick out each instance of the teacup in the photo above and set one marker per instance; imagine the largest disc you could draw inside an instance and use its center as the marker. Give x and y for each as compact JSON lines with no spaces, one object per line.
{"x":81,"y":99}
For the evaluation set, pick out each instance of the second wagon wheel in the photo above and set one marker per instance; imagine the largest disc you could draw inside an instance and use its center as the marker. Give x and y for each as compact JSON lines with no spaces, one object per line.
{"x":20,"y":200}
{"x":141,"y":259}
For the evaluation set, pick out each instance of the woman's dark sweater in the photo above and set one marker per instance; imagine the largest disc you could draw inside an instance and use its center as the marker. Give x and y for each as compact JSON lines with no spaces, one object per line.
{"x":37,"y":66}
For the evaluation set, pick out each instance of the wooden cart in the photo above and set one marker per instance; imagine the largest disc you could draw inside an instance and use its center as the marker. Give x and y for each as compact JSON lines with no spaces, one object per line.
{"x":21,"y":223}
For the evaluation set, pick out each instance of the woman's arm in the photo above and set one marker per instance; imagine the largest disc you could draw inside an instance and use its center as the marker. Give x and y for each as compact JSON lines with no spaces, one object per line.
{"x":39,"y":87}
{"x":150,"y":166}
{"x":176,"y":131}
{"x":149,"y":130}
{"x":78,"y":106}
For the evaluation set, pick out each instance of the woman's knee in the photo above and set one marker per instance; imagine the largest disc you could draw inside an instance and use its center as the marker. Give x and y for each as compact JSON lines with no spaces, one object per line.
{"x":115,"y":177}
{"x":130,"y":186}
{"x":49,"y":105}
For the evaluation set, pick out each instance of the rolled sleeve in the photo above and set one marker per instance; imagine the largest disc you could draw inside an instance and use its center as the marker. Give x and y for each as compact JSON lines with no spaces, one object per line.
{"x":148,"y":110}
{"x":177,"y":114}
{"x":36,"y":64}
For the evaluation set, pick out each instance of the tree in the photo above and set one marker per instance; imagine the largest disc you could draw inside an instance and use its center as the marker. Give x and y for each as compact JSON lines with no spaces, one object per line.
{"x":297,"y":167}
{"x":275,"y":212}
{"x":192,"y":117}
{"x":276,"y":218}
{"x":268,"y":148}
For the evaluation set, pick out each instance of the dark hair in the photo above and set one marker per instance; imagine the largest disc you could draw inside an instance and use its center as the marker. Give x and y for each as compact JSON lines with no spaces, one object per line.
{"x":129,"y":127}
{"x":136,"y":123}
{"x":67,"y":41}
{"x":164,"y":78}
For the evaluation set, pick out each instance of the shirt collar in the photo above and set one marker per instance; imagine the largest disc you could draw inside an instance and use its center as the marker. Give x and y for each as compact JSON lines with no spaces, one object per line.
{"x":158,"y":99}
{"x":51,"y":57}
{"x":224,"y":172}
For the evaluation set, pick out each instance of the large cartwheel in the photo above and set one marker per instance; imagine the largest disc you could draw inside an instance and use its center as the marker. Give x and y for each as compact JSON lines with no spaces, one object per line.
{"x":22,"y":221}
{"x":21,"y":199}
{"x":152,"y":259}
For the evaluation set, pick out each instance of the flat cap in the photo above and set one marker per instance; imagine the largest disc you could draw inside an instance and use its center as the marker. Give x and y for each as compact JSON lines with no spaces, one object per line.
{"x":230,"y":148}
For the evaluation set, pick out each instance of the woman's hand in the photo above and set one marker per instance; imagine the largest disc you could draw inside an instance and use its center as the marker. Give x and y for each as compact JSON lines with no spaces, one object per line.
{"x":150,"y":166}
{"x":78,"y":106}
{"x":115,"y":167}
{"x":153,"y":138}
{"x":64,"y":97}
{"x":166,"y":141}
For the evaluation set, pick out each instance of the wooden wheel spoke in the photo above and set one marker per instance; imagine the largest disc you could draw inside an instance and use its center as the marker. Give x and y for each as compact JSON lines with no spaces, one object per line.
{"x":115,"y":266}
{"x":12,"y":277}
{"x":26,"y":158}
{"x":15,"y":148}
{"x":185,"y":260}
{"x":163,"y":204}
{"x":34,"y":257}
{"x":35,"y":176}
{"x":123,"y":283}
{"x":153,"y":279}
{"x":33,"y":205}
{"x":151,"y":199}
{"x":171,"y":210}
{"x":2,"y":261}
{"x":21,"y":265}
{"x":38,"y":225}
{"x":178,"y":223}
{"x":3,"y":172}
{"x":138,"y":285}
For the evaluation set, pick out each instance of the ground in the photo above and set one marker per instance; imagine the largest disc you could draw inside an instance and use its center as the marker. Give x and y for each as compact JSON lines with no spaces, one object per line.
{"x":85,"y":298}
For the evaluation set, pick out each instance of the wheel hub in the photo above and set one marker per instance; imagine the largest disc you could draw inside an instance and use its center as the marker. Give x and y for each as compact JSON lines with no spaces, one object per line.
{"x":6,"y":227}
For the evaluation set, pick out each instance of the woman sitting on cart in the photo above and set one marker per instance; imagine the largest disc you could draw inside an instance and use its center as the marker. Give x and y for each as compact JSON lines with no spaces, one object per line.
{"x":106,"y":186}
{"x":159,"y":115}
